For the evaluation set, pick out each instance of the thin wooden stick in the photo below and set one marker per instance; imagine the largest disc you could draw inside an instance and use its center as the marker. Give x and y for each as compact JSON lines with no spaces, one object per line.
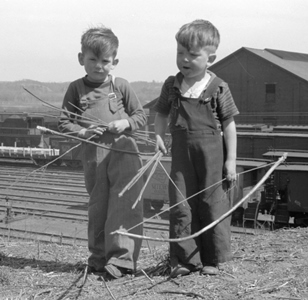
{"x":141,"y":171}
{"x":277,"y":163}
{"x":146,"y":275}
{"x":191,"y":294}
{"x":84,"y":119}
{"x":61,"y":109}
{"x":148,"y":179}
{"x":44,"y":129}
{"x":108,"y":289}
{"x":82,"y":111}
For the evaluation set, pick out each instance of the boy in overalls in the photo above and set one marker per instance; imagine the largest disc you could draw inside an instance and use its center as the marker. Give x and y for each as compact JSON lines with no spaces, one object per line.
{"x":200,"y":110}
{"x":100,"y":97}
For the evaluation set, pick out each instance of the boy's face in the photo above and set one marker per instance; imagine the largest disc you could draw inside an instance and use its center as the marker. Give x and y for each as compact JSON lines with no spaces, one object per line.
{"x":97,"y":68}
{"x":193,"y":63}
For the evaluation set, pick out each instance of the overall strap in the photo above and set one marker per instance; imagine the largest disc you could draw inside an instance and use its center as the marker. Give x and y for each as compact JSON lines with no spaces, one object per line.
{"x":112,"y":94}
{"x":211,"y":89}
{"x":112,"y":83}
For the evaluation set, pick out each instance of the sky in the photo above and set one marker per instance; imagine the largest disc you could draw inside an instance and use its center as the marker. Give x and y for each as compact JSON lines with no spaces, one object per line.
{"x":40,"y":39}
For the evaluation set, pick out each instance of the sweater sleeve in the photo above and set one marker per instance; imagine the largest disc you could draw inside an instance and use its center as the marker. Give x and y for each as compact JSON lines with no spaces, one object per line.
{"x":132,"y":106}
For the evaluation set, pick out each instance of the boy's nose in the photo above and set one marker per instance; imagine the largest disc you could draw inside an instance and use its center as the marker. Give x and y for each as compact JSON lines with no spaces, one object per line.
{"x":99,"y":65}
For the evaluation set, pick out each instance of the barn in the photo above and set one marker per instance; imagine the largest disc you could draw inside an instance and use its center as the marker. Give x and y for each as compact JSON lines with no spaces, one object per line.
{"x":269,"y":86}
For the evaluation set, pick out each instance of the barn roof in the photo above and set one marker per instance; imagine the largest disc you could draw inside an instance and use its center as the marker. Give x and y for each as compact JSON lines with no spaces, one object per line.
{"x":293,"y":62}
{"x":296,"y":63}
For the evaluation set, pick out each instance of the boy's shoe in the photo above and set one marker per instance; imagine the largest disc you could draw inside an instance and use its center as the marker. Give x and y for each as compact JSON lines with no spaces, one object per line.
{"x":210,"y":270}
{"x":179,"y":270}
{"x":114,"y":271}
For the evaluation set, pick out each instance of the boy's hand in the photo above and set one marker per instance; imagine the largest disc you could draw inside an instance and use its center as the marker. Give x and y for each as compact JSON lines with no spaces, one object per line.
{"x":230,"y":170}
{"x":118,"y":126}
{"x":160,"y":146}
{"x":87,"y":133}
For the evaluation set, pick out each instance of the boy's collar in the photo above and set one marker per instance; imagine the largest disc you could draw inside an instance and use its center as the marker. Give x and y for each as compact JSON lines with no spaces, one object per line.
{"x":179,"y":78}
{"x":96,"y":84}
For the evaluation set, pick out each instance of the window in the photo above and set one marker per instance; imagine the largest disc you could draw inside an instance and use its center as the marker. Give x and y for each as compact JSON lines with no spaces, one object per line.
{"x":270,"y":92}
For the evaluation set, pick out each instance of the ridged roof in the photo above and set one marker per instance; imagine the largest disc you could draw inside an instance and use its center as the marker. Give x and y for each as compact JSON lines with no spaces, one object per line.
{"x":296,"y":63}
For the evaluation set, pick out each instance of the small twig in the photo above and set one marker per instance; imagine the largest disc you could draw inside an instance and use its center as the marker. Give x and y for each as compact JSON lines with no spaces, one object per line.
{"x":299,"y":250}
{"x":174,"y":281}
{"x":42,"y":292}
{"x":139,"y":278}
{"x":85,"y":276}
{"x":146,"y":275}
{"x":157,"y":283}
{"x":287,"y":298}
{"x":273,"y":288}
{"x":146,"y":289}
{"x":228,"y":274}
{"x":181,"y":292}
{"x":265,"y":289}
{"x":107,"y":287}
{"x":66,"y":292}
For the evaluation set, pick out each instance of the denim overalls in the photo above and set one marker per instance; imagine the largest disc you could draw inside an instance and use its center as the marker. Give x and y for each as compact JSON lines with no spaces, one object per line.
{"x":107,"y":172}
{"x":197,"y":164}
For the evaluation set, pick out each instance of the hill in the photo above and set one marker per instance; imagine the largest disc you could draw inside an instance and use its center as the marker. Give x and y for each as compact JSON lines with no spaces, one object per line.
{"x":13,"y":96}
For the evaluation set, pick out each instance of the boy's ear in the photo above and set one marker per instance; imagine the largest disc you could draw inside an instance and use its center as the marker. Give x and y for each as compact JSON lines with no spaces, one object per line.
{"x":115,"y":62}
{"x":80,"y":58}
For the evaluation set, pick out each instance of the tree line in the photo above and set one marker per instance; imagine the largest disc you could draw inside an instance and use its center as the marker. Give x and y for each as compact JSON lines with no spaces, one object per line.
{"x":14,"y":96}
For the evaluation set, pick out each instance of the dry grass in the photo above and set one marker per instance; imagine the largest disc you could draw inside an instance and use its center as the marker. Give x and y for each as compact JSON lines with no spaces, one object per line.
{"x":268,"y":265}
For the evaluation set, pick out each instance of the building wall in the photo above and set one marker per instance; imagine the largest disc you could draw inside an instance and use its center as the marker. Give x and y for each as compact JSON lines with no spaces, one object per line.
{"x":247,"y":76}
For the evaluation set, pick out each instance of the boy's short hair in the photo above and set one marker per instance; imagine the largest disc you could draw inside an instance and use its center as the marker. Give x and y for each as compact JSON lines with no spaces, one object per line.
{"x":100,"y":40}
{"x":198,"y":33}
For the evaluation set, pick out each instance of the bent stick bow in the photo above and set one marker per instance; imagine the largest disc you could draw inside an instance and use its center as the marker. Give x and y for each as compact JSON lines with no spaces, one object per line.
{"x":262,"y":180}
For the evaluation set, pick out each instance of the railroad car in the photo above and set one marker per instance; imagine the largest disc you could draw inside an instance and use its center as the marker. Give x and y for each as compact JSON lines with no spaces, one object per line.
{"x":20,"y":130}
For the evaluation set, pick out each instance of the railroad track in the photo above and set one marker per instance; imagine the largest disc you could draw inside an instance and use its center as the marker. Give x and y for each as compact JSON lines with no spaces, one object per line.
{"x":51,"y":205}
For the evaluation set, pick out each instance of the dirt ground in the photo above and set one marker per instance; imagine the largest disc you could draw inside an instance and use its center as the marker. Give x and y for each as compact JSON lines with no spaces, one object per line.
{"x":266,"y":265}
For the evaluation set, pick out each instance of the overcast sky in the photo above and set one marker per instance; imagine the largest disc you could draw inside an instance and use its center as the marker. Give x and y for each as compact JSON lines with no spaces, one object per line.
{"x":40,"y":39}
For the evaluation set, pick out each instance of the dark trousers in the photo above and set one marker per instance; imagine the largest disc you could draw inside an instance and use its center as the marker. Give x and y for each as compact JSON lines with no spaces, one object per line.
{"x":107,"y":172}
{"x":197,"y":164}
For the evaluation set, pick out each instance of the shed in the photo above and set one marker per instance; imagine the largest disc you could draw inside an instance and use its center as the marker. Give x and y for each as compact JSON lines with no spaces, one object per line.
{"x":269,"y":86}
